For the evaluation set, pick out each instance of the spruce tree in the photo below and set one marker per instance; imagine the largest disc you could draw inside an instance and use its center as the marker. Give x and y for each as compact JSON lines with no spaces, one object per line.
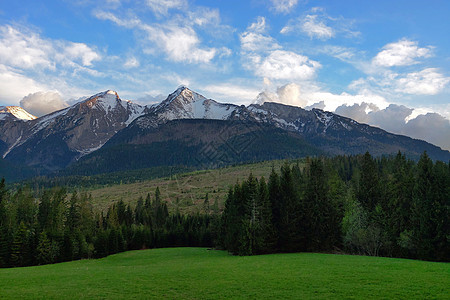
{"x":422,"y":211}
{"x":275,"y":201}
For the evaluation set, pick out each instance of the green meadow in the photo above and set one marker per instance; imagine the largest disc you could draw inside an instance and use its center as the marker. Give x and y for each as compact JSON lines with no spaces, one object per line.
{"x":184,"y":192}
{"x":199,"y":273}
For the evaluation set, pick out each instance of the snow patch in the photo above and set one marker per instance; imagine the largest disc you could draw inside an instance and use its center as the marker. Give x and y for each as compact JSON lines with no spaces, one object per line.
{"x":17,"y":112}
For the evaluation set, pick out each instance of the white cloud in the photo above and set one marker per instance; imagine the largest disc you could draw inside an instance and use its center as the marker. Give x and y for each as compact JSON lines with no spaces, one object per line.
{"x":181,"y":44}
{"x":24,"y":49}
{"x":283,"y":6}
{"x":432,"y":128}
{"x":232,"y":93}
{"x":342,"y":53}
{"x":131,"y":62}
{"x":400,"y":119}
{"x":315,"y":28}
{"x":254,"y":39}
{"x":259,"y":26}
{"x":401,"y":53}
{"x":13,"y":85}
{"x":426,"y":82}
{"x":129,"y":22}
{"x":288,"y":94}
{"x":318,"y":24}
{"x":42,"y":103}
{"x":319,"y":105}
{"x":287,"y":65}
{"x":81,"y":51}
{"x":204,"y":16}
{"x":255,"y":42}
{"x":162,"y":7}
{"x":357,"y":112}
{"x":333,"y":101}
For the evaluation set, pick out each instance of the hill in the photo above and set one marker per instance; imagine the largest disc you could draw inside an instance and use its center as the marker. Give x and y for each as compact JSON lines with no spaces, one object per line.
{"x":194,"y":273}
{"x":189,"y":188}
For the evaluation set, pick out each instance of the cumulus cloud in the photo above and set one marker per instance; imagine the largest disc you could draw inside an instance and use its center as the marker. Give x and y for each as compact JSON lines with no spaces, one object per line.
{"x":401,"y":53}
{"x":400,"y":119}
{"x":283,"y":6}
{"x":289,"y":94}
{"x":42,"y":103}
{"x":14,"y":85}
{"x":266,"y":58}
{"x":333,"y":101}
{"x":254,"y":38}
{"x":23,"y":49}
{"x":318,"y":105}
{"x":357,"y":112}
{"x":287,"y":65}
{"x":426,"y":82}
{"x":75,"y":51}
{"x":181,"y":44}
{"x":432,"y":128}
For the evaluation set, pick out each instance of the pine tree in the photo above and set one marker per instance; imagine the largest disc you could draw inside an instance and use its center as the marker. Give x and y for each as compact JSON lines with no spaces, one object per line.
{"x":139,"y":211}
{"x":266,"y":236}
{"x":44,"y":249}
{"x":19,"y":249}
{"x":206,"y":204}
{"x":4,"y":226}
{"x":320,"y":215}
{"x":275,"y":201}
{"x":289,"y":205}
{"x":369,"y":188}
{"x":422,"y":208}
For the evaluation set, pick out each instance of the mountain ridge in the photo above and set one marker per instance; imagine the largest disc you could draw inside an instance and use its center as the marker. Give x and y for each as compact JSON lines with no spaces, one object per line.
{"x":65,"y":137}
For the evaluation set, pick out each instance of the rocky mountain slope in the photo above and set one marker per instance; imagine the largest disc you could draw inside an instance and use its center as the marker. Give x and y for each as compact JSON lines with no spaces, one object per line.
{"x":104,"y":133}
{"x":14,"y":113}
{"x":55,"y":140}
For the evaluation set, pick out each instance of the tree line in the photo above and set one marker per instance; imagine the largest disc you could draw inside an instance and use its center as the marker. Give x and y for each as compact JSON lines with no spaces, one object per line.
{"x":388,"y":206}
{"x":358,"y":204}
{"x":56,"y":227}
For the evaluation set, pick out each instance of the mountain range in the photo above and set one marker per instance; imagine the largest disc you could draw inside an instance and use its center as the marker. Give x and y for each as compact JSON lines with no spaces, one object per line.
{"x":104,"y":133}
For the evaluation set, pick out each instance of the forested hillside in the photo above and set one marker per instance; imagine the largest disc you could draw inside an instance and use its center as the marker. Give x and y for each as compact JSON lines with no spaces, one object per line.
{"x":388,"y":207}
{"x":358,"y":204}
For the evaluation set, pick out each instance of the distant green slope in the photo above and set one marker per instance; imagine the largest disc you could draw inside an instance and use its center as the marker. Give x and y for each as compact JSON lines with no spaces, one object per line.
{"x":196,"y":273}
{"x":186,"y":191}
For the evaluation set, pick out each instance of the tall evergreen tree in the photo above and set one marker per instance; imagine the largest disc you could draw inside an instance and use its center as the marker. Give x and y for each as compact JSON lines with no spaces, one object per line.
{"x":422,"y":213}
{"x":369,"y":189}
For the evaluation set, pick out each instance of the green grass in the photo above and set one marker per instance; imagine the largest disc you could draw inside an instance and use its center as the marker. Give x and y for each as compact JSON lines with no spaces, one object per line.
{"x":184,"y":191}
{"x":198,"y":273}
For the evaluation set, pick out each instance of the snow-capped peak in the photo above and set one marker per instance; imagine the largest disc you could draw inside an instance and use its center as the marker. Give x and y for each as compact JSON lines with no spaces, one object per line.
{"x":105,"y":101}
{"x":17,"y":112}
{"x":111,"y":92}
{"x":183,"y":95}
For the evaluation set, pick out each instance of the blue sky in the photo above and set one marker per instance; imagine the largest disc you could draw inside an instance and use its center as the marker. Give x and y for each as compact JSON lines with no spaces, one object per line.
{"x":353,"y":57}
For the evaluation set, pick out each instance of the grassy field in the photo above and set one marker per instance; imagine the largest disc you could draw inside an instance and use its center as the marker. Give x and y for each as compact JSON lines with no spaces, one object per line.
{"x":184,"y":191}
{"x":198,"y":273}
